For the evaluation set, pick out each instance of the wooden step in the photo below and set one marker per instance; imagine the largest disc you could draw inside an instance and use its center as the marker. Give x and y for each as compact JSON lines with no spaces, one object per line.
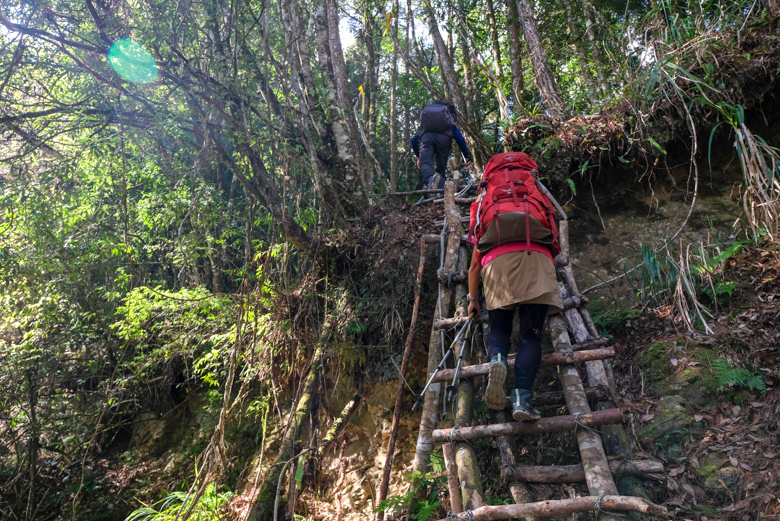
{"x":548,"y":359}
{"x":576,"y":473}
{"x":544,"y":425}
{"x":562,"y":507}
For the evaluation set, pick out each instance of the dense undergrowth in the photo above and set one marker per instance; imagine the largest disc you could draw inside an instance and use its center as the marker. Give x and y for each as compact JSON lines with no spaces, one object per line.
{"x":159,"y":320}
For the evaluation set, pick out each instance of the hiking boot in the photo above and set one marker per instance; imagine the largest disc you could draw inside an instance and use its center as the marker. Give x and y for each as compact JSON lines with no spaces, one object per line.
{"x":438,"y":179}
{"x":522,"y":410}
{"x":495,"y":395}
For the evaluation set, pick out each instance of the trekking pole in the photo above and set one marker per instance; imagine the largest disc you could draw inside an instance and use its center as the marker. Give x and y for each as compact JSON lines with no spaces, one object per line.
{"x":451,"y":388}
{"x":441,"y":364}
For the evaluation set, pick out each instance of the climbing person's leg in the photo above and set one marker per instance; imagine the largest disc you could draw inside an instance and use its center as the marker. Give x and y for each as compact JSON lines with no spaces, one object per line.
{"x":498,"y":346}
{"x":529,"y":357}
{"x":427,"y":154}
{"x":443,"y":149}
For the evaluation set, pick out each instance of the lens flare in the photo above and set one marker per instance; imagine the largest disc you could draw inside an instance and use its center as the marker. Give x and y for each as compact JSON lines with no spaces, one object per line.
{"x":132,"y":62}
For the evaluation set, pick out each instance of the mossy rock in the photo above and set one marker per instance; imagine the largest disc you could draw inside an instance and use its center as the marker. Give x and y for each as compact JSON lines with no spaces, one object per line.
{"x":727,"y":475}
{"x":709,"y":469}
{"x":672,"y":426}
{"x":662,"y":378}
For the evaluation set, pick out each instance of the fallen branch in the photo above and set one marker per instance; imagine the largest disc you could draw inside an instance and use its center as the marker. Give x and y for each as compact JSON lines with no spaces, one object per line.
{"x":561,"y":507}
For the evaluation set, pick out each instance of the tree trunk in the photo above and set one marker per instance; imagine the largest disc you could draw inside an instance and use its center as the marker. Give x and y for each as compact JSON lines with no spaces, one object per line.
{"x":370,"y":85}
{"x":503,"y":107}
{"x":595,"y":51}
{"x":579,"y":49}
{"x":262,"y":509}
{"x":470,"y":93}
{"x":544,"y":78}
{"x":32,"y":449}
{"x":515,"y":55}
{"x":447,"y":65}
{"x":342,"y":91}
{"x":394,"y":106}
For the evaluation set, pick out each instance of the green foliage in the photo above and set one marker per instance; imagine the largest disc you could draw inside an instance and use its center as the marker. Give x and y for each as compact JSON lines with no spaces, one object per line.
{"x":158,"y":326}
{"x":422,"y":510}
{"x":729,"y":376}
{"x":609,"y":318}
{"x":210,"y":507}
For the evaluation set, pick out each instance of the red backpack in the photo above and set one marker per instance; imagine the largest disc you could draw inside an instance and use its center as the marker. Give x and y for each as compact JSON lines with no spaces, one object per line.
{"x":512,"y":205}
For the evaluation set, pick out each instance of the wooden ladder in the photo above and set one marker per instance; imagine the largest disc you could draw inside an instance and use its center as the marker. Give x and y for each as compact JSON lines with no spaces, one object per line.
{"x":591,"y":427}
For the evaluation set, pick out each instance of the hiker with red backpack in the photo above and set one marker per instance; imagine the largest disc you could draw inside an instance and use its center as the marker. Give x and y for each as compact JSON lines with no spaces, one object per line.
{"x":515,"y":240}
{"x":433,"y":142}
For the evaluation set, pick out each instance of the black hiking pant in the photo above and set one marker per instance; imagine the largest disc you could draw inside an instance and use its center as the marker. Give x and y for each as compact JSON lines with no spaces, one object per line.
{"x":529,"y":354}
{"x":434,"y":146}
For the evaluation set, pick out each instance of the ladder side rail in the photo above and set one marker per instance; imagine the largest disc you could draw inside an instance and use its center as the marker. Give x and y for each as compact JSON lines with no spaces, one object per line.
{"x":594,"y":459}
{"x":425,"y":444}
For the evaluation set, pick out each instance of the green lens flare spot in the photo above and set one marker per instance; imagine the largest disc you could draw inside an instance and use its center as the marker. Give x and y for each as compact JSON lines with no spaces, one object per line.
{"x":132,"y":62}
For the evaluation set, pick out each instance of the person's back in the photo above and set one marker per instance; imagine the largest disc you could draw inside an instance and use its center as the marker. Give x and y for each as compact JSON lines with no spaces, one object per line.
{"x":433,"y":142}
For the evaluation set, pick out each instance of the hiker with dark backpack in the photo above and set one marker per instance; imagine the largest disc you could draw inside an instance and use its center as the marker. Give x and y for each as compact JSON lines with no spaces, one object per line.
{"x":512,"y":227}
{"x":433,"y":142}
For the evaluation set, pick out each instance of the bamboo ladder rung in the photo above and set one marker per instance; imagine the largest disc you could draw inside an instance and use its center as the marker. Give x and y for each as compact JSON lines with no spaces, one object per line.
{"x":447,"y":323}
{"x":548,"y":359}
{"x":576,"y":473}
{"x":557,"y":397}
{"x":544,"y":425}
{"x":559,"y":507}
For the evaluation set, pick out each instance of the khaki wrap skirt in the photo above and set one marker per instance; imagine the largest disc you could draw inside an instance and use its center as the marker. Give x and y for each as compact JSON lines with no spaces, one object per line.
{"x":519,"y":278}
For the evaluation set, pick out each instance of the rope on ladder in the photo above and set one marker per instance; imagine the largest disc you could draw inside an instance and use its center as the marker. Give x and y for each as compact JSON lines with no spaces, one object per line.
{"x":612,"y":513}
{"x":578,"y":423}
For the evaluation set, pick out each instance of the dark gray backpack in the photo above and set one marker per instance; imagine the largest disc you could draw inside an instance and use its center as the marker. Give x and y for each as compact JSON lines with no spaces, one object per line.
{"x":437,"y":117}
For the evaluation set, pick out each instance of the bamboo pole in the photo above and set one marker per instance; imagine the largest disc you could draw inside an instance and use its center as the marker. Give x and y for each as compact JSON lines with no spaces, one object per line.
{"x":468,"y":466}
{"x":562,"y":259}
{"x":506,"y":449}
{"x":594,"y":460}
{"x":548,"y":359}
{"x":453,"y":484}
{"x":562,"y":507}
{"x":425,"y":443}
{"x":383,"y":488}
{"x":576,"y":473}
{"x":544,"y":425}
